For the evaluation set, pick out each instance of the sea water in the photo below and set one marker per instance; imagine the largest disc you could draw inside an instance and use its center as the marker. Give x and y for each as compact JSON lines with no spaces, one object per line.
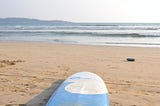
{"x":117,"y":34}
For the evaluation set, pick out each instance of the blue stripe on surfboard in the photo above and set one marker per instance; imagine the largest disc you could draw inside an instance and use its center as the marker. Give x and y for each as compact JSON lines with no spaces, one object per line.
{"x":64,"y":98}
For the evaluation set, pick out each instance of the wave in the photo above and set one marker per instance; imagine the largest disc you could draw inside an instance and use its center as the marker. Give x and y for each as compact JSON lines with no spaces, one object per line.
{"x":108,"y":34}
{"x":132,"y":43}
{"x":79,"y":33}
{"x":84,"y":27}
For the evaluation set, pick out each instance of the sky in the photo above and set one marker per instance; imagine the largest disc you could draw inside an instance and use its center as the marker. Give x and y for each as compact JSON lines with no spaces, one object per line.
{"x":83,"y":10}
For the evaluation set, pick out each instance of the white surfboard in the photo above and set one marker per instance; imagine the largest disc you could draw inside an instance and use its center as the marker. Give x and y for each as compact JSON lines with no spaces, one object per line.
{"x":81,"y":89}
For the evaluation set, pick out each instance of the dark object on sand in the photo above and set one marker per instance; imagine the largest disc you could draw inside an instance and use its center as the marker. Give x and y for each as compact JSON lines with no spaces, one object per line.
{"x":16,"y":105}
{"x":130,"y":59}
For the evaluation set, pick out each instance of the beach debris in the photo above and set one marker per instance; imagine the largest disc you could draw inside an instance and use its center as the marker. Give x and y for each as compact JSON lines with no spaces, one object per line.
{"x":15,"y":105}
{"x":3,"y":63}
{"x":131,"y":59}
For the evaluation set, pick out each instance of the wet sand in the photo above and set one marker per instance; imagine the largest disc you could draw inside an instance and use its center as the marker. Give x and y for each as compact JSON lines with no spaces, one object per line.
{"x":30,"y":72}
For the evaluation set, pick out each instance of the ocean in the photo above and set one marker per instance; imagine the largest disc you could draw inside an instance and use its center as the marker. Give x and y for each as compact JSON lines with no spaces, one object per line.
{"x":112,"y":34}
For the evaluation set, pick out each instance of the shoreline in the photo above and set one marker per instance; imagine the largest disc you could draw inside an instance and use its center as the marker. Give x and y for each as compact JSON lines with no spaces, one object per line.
{"x":43,"y":42}
{"x":33,"y":70}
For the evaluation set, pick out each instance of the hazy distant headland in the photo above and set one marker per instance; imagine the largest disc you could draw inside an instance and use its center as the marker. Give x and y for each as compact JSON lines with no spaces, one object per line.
{"x":37,"y":22}
{"x":28,"y":21}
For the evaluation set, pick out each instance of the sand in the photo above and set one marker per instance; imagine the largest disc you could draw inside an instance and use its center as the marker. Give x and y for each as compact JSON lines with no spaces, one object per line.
{"x":30,"y":72}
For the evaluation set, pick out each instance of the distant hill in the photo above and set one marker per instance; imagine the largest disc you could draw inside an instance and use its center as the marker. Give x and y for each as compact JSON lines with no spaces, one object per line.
{"x":28,"y":21}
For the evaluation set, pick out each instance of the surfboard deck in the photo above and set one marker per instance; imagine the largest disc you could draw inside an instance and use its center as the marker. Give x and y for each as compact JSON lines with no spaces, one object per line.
{"x":81,"y":89}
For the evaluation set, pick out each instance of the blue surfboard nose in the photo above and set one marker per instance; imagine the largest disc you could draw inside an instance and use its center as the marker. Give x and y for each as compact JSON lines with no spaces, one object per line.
{"x":81,"y":89}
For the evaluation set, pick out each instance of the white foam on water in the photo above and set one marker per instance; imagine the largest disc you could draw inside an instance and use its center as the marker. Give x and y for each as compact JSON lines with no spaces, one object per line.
{"x":112,"y":34}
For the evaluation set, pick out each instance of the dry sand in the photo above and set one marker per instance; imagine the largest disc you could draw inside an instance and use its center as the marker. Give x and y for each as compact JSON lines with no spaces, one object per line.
{"x":30,"y":72}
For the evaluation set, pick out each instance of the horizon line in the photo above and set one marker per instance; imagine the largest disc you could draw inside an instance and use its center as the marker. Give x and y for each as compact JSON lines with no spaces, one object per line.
{"x":40,"y":19}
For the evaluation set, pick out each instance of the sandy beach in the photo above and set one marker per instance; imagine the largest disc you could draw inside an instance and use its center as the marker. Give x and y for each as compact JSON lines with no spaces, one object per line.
{"x":30,"y":72}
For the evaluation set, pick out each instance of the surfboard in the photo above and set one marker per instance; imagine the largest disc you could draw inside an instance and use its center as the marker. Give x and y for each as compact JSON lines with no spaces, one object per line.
{"x":81,"y":89}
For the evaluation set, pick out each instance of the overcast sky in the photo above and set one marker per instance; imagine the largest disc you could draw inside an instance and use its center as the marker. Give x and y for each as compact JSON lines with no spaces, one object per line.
{"x":83,"y":10}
